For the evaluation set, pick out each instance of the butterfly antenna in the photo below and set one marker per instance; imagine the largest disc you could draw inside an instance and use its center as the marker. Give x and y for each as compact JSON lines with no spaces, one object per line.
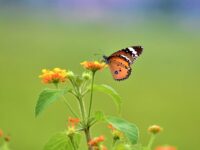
{"x":98,"y":56}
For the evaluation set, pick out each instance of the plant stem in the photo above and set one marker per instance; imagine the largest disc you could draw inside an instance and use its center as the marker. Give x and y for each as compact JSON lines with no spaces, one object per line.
{"x":82,"y":108}
{"x":72,"y":141}
{"x":88,"y":137}
{"x":151,"y":141}
{"x":70,"y":107}
{"x":86,"y":127}
{"x":79,"y":96}
{"x":91,"y":95}
{"x":66,"y":102}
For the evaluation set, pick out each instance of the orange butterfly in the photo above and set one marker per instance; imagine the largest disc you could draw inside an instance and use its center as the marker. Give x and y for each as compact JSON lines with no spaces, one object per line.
{"x":120,"y":61}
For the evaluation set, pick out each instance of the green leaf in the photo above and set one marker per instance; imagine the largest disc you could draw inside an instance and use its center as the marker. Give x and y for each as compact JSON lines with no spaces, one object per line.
{"x":47,"y":97}
{"x":61,"y":141}
{"x":99,"y":116}
{"x":122,"y":146}
{"x":130,"y":130}
{"x":111,"y":92}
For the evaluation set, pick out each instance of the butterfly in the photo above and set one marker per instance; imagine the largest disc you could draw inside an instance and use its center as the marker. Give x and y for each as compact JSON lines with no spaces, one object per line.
{"x":120,"y":62}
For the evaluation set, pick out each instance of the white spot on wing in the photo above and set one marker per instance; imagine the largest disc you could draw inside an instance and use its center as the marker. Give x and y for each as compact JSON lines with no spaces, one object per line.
{"x":134,"y":53}
{"x":126,"y":59}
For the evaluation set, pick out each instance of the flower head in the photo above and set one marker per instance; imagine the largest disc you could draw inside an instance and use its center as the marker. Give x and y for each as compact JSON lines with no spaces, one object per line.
{"x":96,"y":141}
{"x":93,"y":65}
{"x":72,"y":122}
{"x":155,"y":129}
{"x":55,"y":76}
{"x":116,"y":133}
{"x":166,"y":148}
{"x":1,"y":133}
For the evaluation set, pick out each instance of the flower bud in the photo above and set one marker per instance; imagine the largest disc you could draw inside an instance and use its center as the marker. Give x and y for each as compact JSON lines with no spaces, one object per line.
{"x":70,"y":75}
{"x":79,"y":80}
{"x":154,"y":129}
{"x":86,"y":76}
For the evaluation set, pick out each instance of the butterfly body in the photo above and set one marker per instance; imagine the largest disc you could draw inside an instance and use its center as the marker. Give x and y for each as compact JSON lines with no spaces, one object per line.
{"x":120,"y":61}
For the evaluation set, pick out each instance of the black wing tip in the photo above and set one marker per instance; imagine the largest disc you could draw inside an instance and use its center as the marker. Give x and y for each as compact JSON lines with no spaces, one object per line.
{"x":139,"y":49}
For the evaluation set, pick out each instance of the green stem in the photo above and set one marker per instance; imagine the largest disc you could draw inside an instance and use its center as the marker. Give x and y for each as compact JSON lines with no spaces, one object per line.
{"x":72,"y":141}
{"x":88,"y":137}
{"x":70,"y":107}
{"x":151,"y":141}
{"x":91,"y":95}
{"x":79,"y":96}
{"x":82,"y":108}
{"x":86,"y":127}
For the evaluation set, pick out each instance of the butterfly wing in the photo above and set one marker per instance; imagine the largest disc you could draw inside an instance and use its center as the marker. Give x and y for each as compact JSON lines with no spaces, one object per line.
{"x":119,"y":67}
{"x":130,"y":52}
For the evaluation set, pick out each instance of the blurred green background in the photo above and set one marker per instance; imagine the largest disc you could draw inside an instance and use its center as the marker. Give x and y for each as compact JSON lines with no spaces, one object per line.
{"x":163,"y":89}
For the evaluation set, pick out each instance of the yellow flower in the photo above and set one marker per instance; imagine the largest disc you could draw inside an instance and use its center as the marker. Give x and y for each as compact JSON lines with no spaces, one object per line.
{"x":53,"y":76}
{"x":155,"y":129}
{"x":93,"y":65}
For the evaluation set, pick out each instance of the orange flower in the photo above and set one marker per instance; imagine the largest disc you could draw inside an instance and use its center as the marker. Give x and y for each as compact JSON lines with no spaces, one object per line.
{"x":110,"y":126}
{"x":155,"y":129}
{"x":166,"y":148}
{"x":116,"y":133}
{"x":73,"y":121}
{"x":93,"y":65}
{"x":1,"y":133}
{"x":53,"y":76}
{"x":95,"y":141}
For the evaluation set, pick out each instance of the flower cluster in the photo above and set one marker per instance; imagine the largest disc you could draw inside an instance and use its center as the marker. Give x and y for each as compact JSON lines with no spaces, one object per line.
{"x":72,"y":122}
{"x":95,"y":143}
{"x":93,"y":65}
{"x":55,"y":76}
{"x":155,"y":129}
{"x":117,"y":135}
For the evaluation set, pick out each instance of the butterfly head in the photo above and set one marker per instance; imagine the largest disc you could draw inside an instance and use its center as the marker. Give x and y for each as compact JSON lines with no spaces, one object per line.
{"x":105,"y":59}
